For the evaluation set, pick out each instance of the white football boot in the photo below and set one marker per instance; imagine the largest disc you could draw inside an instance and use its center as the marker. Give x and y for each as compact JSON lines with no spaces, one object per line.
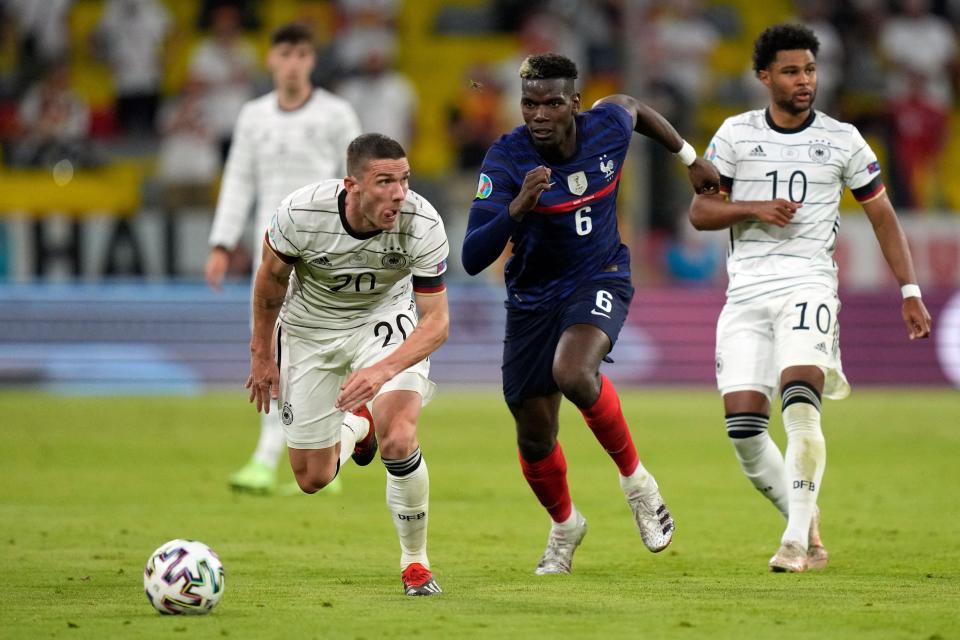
{"x":791,"y":557}
{"x":558,"y":557}
{"x":653,"y":519}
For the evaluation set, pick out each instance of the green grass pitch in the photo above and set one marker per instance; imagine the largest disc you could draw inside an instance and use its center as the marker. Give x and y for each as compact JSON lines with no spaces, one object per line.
{"x":91,"y":486}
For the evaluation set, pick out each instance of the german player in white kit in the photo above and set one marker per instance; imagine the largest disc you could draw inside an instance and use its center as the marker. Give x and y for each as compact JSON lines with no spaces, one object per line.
{"x":782,"y":173}
{"x":364,"y":308}
{"x":294,"y":135}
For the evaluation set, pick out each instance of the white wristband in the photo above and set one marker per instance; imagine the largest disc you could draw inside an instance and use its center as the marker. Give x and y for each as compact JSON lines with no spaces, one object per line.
{"x":687,"y":154}
{"x":910,"y":291}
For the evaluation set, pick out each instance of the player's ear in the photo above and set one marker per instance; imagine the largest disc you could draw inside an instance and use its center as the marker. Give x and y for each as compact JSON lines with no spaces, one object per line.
{"x":351,"y":184}
{"x":764,"y":76}
{"x":575,"y":103}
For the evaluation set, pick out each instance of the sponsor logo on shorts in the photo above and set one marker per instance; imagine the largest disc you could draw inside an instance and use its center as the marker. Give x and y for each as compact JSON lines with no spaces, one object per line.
{"x":286,"y":416}
{"x":822,"y":348}
{"x":485,"y":187}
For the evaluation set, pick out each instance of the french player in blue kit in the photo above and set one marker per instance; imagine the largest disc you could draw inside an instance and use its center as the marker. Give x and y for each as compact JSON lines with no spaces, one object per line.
{"x":551,"y":187}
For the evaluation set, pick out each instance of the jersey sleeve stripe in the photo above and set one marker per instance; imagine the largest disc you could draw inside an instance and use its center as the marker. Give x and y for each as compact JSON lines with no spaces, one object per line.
{"x":428,"y":284}
{"x":726,"y":185}
{"x":870,"y":191}
{"x":283,"y":257}
{"x":570,"y":205}
{"x":427,"y":291}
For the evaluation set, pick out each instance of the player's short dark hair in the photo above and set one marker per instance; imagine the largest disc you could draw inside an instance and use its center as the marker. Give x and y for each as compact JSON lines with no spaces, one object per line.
{"x":782,"y":37}
{"x":371,"y":146}
{"x":547,"y":66}
{"x":292,"y":33}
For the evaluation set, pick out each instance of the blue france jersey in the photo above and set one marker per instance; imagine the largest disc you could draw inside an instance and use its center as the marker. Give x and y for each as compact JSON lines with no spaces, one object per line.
{"x":571,"y":236}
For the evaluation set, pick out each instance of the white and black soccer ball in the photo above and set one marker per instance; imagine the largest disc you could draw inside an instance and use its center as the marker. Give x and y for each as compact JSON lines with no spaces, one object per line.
{"x":183,"y":577}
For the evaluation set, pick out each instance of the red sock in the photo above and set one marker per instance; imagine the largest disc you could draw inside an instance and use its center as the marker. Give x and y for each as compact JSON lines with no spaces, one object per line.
{"x":548,"y":479}
{"x":605,"y":419}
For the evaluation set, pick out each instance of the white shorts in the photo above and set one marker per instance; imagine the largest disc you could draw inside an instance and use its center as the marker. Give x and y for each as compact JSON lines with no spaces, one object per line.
{"x":757,"y":340}
{"x":312,"y":370}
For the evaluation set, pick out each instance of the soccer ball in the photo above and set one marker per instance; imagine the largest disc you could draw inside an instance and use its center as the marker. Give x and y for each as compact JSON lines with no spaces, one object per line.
{"x":183,"y":576}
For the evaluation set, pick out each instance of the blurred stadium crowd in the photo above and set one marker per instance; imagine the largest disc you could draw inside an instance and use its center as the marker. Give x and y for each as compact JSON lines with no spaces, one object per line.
{"x":155,"y":86}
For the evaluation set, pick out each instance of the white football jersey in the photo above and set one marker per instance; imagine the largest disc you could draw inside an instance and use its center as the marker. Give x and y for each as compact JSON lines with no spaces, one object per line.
{"x":812,"y":165}
{"x":275,"y":152}
{"x":342,"y":279}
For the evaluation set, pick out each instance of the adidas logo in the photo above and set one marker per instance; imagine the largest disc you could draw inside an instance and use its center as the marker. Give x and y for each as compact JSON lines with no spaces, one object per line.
{"x":322,"y":261}
{"x":822,"y":348}
{"x":757,"y":152}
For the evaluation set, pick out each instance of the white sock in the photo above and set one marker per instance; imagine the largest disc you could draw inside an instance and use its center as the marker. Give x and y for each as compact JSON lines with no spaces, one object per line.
{"x":272,"y":442}
{"x":570,"y":523}
{"x":353,"y":430}
{"x":759,"y":456}
{"x":762,"y":463}
{"x":408,"y":497}
{"x":805,"y":462}
{"x":640,"y":480}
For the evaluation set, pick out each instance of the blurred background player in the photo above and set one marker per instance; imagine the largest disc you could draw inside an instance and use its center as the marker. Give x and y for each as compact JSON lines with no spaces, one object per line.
{"x":224,"y":65}
{"x":293,"y":136}
{"x":367,"y":257}
{"x":782,"y":172}
{"x":551,"y":187}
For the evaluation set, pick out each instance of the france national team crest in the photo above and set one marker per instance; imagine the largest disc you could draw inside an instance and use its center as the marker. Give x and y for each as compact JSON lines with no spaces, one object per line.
{"x":607,"y":167}
{"x":485,"y":187}
{"x":577,"y":183}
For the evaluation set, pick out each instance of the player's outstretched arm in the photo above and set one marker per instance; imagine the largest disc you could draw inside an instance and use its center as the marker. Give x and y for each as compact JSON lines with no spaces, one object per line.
{"x":647,"y":121}
{"x":896,"y":251}
{"x":712,"y":211}
{"x":269,"y":291}
{"x":431,"y":332}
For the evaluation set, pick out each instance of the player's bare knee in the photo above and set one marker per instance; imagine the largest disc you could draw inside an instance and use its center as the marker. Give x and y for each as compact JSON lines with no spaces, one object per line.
{"x":578,"y":384}
{"x":399,"y":440}
{"x":311,"y":482}
{"x":534,"y":448}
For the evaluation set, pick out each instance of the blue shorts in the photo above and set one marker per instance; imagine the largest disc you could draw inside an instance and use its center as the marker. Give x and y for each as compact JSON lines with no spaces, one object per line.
{"x":532,"y":336}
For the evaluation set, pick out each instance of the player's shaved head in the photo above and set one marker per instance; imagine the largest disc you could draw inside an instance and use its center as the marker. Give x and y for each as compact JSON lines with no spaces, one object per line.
{"x":782,"y":37}
{"x":371,"y":146}
{"x":292,"y":33}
